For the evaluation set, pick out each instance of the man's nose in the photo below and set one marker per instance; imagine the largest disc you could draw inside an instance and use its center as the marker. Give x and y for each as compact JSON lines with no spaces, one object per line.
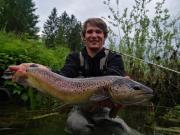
{"x":94,"y":34}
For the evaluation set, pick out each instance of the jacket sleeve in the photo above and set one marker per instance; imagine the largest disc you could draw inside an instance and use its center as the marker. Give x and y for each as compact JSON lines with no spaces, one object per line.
{"x":115,"y":65}
{"x":71,"y":66}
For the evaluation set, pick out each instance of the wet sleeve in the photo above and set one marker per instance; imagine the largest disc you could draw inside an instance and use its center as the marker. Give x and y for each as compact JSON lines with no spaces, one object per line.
{"x":115,"y":65}
{"x":71,"y":66}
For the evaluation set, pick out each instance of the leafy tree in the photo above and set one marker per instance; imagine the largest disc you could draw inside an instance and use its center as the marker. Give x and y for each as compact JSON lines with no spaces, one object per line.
{"x":151,"y":40}
{"x":18,"y":16}
{"x":51,"y":29}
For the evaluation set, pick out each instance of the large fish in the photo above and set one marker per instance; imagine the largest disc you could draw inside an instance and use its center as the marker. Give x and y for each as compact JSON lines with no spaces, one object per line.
{"x":80,"y":90}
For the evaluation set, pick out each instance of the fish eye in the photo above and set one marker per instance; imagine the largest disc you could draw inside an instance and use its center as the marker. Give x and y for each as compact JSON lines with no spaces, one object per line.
{"x":136,"y":88}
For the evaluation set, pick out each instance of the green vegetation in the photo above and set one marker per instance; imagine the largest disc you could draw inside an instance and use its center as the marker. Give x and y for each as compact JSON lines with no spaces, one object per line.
{"x":15,"y":50}
{"x":18,"y":16}
{"x":143,"y":40}
{"x":62,"y":30}
{"x":152,"y":39}
{"x":146,"y":42}
{"x":20,"y":43}
{"x":171,"y":118}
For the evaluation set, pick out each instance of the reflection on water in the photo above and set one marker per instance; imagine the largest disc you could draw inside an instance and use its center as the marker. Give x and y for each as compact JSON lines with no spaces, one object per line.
{"x":16,"y":120}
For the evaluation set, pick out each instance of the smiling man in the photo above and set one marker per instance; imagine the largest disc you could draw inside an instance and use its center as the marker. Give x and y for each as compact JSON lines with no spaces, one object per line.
{"x":94,"y":37}
{"x":93,"y":60}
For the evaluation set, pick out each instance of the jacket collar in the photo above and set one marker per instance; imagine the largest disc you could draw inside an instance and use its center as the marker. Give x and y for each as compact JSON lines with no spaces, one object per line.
{"x":99,"y":55}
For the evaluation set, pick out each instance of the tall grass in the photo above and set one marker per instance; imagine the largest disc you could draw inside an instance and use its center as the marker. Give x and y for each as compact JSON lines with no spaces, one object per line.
{"x":153,"y":39}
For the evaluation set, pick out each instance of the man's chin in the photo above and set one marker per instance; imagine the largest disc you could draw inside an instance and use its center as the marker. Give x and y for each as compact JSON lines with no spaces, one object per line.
{"x":95,"y":49}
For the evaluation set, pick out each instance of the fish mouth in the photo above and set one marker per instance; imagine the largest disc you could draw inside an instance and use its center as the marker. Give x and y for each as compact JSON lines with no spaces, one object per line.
{"x":142,"y":102}
{"x":8,"y":74}
{"x":139,"y":99}
{"x":139,"y":102}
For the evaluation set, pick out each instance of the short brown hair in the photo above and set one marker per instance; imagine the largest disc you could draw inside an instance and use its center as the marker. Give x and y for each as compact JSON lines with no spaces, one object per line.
{"x":96,"y":22}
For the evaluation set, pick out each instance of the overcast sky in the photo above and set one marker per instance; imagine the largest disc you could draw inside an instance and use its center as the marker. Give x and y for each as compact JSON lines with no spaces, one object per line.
{"x":83,"y":9}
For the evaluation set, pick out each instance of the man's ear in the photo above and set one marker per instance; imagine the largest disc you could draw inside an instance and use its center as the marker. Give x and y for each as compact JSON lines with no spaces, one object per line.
{"x":83,"y":39}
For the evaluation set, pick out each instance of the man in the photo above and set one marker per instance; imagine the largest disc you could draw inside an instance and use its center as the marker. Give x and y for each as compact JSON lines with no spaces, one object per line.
{"x":93,"y":60}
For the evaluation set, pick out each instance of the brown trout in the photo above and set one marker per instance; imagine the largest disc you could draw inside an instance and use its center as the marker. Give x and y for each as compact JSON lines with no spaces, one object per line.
{"x":80,"y":90}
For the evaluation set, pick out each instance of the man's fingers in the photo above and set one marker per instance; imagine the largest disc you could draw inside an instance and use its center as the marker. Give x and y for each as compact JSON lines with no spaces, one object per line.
{"x":127,"y":77}
{"x":13,"y":68}
{"x":8,"y":73}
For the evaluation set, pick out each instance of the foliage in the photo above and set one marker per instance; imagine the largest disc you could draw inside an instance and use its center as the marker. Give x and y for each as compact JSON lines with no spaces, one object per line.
{"x":18,"y":16}
{"x":70,"y":31}
{"x":16,"y":51}
{"x":74,"y":38}
{"x":174,"y":113}
{"x":171,"y":118}
{"x":50,"y":29}
{"x":63,"y":30}
{"x":153,"y":40}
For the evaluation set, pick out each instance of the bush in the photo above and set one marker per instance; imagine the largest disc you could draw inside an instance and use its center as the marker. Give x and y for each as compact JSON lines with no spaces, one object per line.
{"x":15,"y":50}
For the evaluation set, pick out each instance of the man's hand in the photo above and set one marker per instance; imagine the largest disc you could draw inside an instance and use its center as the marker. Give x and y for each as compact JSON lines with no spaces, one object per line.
{"x":127,"y":77}
{"x":14,"y":71}
{"x":101,"y":104}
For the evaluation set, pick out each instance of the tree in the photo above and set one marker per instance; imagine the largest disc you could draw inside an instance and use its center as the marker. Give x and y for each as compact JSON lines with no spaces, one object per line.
{"x":18,"y":16}
{"x":69,"y":31}
{"x":63,"y":28}
{"x":151,"y":40}
{"x":74,"y":39}
{"x":63,"y":31}
{"x":51,"y":29}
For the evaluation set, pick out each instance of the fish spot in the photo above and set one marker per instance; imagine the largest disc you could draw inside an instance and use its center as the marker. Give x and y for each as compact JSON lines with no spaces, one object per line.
{"x":33,"y":65}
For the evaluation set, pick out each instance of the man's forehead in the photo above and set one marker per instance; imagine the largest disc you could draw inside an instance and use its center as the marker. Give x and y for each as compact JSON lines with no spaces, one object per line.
{"x":92,"y":26}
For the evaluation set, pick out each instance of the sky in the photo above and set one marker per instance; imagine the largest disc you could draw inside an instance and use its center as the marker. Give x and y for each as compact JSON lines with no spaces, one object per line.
{"x":83,"y":9}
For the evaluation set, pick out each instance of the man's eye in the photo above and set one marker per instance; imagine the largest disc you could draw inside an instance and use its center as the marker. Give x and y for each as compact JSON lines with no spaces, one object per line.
{"x":89,"y":31}
{"x":95,"y":31}
{"x":98,"y":31}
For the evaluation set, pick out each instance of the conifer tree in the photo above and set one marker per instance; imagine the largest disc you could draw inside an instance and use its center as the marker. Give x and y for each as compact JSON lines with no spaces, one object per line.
{"x":51,"y":29}
{"x":70,"y":30}
{"x":63,"y":31}
{"x":18,"y":16}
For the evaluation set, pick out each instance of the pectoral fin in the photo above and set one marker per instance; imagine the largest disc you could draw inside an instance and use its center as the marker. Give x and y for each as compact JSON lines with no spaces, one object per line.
{"x":97,"y":98}
{"x":100,"y":96}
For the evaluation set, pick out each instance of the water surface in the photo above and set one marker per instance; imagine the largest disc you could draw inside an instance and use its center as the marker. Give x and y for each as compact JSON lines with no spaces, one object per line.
{"x":16,"y":120}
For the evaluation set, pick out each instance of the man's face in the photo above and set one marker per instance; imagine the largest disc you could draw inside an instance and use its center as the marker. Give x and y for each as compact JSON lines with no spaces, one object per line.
{"x":94,"y":37}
